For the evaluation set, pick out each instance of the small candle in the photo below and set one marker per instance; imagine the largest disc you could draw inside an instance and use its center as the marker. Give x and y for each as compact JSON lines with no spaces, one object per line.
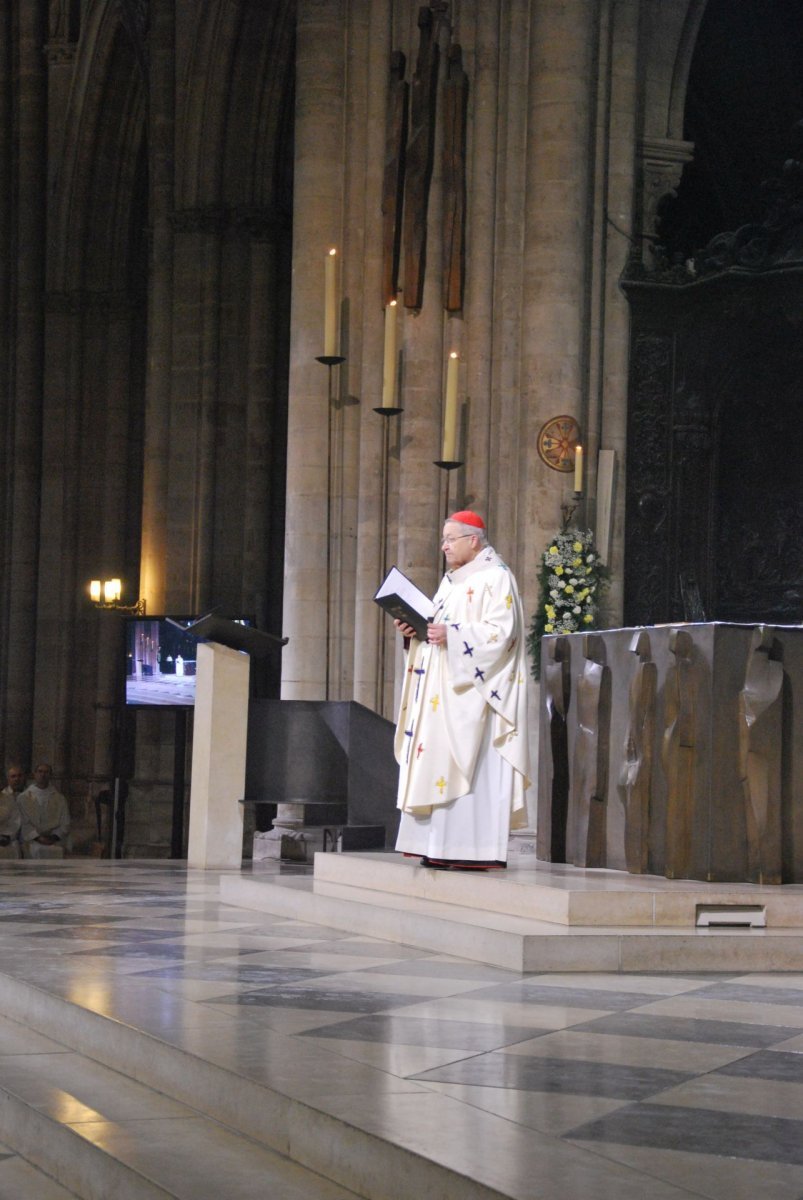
{"x":450,"y":411}
{"x":389,"y":367}
{"x":578,"y":468}
{"x":330,"y":305}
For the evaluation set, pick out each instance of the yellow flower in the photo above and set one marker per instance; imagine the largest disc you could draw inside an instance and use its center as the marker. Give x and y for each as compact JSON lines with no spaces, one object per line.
{"x":548,"y":628}
{"x":569,"y":589}
{"x":588,"y":618}
{"x":550,"y":612}
{"x":577,"y":562}
{"x":553,"y":549}
{"x":558,"y":570}
{"x":589,"y":570}
{"x":577,"y":547}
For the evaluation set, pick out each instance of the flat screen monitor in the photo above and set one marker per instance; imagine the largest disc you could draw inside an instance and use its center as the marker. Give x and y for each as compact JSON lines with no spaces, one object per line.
{"x":160,"y":661}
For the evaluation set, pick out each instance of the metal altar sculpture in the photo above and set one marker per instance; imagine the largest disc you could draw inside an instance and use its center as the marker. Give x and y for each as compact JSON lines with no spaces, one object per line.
{"x":674,"y":750}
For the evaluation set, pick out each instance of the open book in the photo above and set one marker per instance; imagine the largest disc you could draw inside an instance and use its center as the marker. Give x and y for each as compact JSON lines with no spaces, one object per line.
{"x":399,"y":597}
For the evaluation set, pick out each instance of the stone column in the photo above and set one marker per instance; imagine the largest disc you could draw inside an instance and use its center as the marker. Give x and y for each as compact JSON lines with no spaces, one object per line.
{"x":158,"y":384}
{"x":206,"y":387}
{"x":5,"y":319}
{"x":620,"y":211}
{"x":25,"y":449}
{"x":373,"y":643}
{"x":481,"y":43}
{"x":504,"y":448}
{"x":554,"y":355}
{"x":260,"y":383}
{"x":317,"y":226}
{"x":115,"y":388}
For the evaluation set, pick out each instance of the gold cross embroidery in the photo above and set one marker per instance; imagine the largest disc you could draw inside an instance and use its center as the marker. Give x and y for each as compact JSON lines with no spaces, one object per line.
{"x":435,"y":701}
{"x":509,"y":601}
{"x":440,"y":784}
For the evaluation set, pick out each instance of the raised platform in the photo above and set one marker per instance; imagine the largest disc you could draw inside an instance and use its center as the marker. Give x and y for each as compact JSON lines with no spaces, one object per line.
{"x":540,"y":916}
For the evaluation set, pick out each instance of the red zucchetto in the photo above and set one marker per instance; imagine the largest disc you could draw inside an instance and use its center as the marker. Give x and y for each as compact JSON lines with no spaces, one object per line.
{"x":467,"y":517}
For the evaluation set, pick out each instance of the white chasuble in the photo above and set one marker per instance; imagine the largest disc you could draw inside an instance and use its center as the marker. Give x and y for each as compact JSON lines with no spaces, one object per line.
{"x":466,"y":698}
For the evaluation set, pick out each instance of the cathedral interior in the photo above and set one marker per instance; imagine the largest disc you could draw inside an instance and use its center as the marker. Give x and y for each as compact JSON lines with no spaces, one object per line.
{"x":555,"y":223}
{"x":595,"y":203}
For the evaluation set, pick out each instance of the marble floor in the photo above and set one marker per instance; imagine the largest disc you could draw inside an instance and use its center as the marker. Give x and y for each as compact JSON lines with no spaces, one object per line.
{"x":531,"y":1086}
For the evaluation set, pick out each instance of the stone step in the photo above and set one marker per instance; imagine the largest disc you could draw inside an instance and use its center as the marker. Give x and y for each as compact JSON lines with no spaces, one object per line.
{"x":20,"y":1180}
{"x":559,"y":893}
{"x":471,"y":929}
{"x":106,"y":1109}
{"x":98,"y":1133}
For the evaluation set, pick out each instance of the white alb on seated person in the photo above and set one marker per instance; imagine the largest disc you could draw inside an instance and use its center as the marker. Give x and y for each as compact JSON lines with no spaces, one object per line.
{"x":10,"y":819}
{"x":461,"y":737}
{"x":45,"y":817}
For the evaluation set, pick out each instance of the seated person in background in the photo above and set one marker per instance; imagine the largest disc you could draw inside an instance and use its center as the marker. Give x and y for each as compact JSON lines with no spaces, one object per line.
{"x":45,"y":817}
{"x":10,"y":811}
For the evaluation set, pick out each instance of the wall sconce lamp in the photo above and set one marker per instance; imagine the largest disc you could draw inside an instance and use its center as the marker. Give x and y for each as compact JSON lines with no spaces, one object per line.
{"x":107,"y":593}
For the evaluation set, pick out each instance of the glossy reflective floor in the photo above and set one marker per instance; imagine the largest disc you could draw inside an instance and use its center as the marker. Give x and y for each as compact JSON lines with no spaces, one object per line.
{"x":534,"y":1086}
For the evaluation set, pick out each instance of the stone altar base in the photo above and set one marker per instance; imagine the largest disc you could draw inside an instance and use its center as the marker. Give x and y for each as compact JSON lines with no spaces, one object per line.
{"x":540,"y":916}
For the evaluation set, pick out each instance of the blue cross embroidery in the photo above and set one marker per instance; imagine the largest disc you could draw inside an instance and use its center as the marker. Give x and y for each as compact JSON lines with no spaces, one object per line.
{"x":408,"y":733}
{"x":419,"y":671}
{"x":495,"y":695}
{"x":469,"y":650}
{"x":456,"y":625}
{"x":478,"y":674}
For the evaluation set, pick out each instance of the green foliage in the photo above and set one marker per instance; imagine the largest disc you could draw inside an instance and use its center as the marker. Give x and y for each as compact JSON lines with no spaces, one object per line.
{"x":571,"y":580}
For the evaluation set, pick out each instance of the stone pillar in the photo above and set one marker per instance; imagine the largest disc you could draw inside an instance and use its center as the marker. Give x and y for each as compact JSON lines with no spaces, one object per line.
{"x":209,"y":409}
{"x":260,"y":404}
{"x":6,"y":425}
{"x":555,"y":302}
{"x":374,"y":635}
{"x":218,"y":758}
{"x":158,"y":384}
{"x":508,"y":518}
{"x":26,"y":400}
{"x":317,"y":226}
{"x":621,"y":210}
{"x":116,"y":392}
{"x":481,"y":41}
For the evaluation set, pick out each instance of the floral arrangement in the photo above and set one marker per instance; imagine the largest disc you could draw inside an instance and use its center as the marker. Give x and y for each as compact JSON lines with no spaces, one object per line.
{"x":571,"y":579}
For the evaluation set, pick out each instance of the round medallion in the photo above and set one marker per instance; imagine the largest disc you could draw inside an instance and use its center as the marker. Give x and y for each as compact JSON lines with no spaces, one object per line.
{"x":556,"y":443}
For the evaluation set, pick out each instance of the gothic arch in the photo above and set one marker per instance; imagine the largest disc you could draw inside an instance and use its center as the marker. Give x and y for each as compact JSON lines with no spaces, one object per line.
{"x":96,"y":180}
{"x":663,"y":153}
{"x":235,"y":93}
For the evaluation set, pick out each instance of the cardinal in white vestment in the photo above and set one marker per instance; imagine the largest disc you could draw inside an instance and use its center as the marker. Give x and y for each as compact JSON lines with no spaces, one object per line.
{"x":461,"y":737}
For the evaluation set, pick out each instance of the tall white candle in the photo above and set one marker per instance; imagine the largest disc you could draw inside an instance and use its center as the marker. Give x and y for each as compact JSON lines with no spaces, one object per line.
{"x":578,"y":468}
{"x":450,"y":411}
{"x":330,"y":305}
{"x":389,"y":365}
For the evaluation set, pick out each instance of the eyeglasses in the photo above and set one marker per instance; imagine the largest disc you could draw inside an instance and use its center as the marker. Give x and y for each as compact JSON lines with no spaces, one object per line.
{"x":447,"y":541}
